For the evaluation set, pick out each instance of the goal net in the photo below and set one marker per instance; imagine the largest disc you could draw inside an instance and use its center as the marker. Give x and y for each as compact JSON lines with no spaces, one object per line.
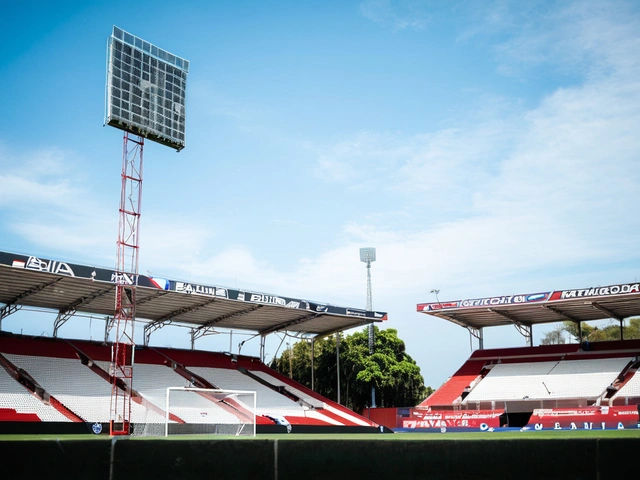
{"x":204,"y":411}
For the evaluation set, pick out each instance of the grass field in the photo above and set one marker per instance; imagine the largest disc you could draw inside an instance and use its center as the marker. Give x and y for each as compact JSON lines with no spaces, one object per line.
{"x":514,"y":435}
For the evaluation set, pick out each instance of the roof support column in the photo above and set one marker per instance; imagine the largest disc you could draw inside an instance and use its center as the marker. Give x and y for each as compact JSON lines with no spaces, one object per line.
{"x":313,"y":384}
{"x":338,"y":363}
{"x":476,"y":333}
{"x":579,"y":332}
{"x":107,"y":327}
{"x":621,"y":329}
{"x":526,"y":331}
{"x":13,"y":305}
{"x":8,"y":310}
{"x":61,"y":319}
{"x":262,"y":342}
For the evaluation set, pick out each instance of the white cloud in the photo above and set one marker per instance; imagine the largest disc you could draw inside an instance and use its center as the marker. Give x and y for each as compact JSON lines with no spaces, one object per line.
{"x":35,"y":178}
{"x":510,"y":192}
{"x":398,"y":14}
{"x":591,"y":38}
{"x":500,"y":200}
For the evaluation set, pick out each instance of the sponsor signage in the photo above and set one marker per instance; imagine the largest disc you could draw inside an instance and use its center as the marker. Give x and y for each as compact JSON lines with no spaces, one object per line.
{"x":40,"y":264}
{"x":559,"y":295}
{"x":584,"y":418}
{"x":189,"y":288}
{"x":457,"y":419}
{"x":110,"y":276}
{"x":620,"y":289}
{"x":485,"y":302}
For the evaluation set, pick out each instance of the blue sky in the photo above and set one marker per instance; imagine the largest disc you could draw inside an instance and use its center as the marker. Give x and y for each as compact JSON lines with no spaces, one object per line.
{"x":484,"y":148}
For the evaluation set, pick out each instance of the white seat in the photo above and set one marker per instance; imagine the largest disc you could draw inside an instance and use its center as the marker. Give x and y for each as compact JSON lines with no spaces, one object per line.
{"x":565,"y":379}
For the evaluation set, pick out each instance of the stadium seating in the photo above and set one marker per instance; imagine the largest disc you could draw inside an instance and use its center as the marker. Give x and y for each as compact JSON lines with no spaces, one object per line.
{"x":450,"y":393}
{"x":565,"y":379}
{"x":269,"y":401}
{"x":18,"y":404}
{"x":75,"y":376}
{"x":551,"y":376}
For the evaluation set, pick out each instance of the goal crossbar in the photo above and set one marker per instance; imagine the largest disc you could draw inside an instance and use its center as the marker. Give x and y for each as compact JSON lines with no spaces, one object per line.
{"x":226,"y":399}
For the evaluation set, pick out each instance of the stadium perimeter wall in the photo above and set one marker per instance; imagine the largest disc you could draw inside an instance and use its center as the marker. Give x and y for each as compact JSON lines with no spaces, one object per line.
{"x":114,"y":459}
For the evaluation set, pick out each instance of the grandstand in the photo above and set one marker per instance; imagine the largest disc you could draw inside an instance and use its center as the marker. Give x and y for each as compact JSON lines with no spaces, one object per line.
{"x":69,"y":382}
{"x":57,"y":380}
{"x":535,"y":386}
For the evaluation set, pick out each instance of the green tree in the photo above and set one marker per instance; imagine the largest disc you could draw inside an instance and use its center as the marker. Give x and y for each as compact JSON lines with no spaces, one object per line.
{"x":631,"y":330}
{"x":395,"y":375}
{"x":555,"y":336}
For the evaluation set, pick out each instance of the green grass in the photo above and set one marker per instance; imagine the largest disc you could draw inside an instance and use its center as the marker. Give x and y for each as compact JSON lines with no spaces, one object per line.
{"x":515,"y":435}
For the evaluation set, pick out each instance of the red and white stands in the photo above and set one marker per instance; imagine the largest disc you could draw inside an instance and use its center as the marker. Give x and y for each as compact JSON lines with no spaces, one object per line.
{"x":52,"y":380}
{"x":67,"y":381}
{"x":590,"y":385}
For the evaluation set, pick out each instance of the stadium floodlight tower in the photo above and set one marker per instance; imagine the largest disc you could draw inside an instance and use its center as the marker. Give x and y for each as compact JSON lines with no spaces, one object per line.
{"x":145,"y":97}
{"x":368,"y":255}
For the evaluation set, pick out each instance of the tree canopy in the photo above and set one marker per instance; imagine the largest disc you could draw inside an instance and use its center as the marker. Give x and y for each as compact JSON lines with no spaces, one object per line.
{"x":568,"y":331}
{"x":390,"y":369}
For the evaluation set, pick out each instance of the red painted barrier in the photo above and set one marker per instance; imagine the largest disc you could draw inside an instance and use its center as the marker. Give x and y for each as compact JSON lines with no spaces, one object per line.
{"x":584,"y":418}
{"x":420,"y":418}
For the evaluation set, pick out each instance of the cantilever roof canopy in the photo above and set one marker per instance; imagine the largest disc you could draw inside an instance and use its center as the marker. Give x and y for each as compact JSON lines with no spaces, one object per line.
{"x":597,"y":303}
{"x":69,"y":288}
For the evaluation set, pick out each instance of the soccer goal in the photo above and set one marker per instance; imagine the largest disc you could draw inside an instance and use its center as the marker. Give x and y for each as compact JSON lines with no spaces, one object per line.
{"x":204,"y":411}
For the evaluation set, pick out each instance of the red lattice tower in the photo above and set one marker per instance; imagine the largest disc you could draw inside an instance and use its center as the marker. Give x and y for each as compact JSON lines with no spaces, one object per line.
{"x":126,"y":279}
{"x":145,"y":97}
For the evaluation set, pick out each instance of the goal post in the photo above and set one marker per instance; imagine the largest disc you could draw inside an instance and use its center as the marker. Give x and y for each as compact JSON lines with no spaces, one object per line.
{"x":190,"y":410}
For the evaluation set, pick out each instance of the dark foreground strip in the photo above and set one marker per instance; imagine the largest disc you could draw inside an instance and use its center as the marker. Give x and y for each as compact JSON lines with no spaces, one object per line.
{"x":123,"y":458}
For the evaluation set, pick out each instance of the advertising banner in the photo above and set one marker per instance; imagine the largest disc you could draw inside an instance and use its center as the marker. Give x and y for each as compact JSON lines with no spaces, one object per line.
{"x":39,"y":264}
{"x":584,"y":418}
{"x":610,"y":290}
{"x":485,"y":302}
{"x":449,"y":419}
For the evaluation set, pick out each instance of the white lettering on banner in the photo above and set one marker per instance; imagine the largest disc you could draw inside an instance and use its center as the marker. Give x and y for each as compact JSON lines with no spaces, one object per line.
{"x":52,"y":266}
{"x":261,"y":298}
{"x":573,"y":426}
{"x":601,"y":291}
{"x":199,"y":289}
{"x":293,"y":305}
{"x":506,"y":300}
{"x":121,"y":279}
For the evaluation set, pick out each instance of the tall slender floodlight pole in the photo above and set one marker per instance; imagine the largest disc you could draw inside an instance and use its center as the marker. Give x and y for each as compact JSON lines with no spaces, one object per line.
{"x":368,"y":255}
{"x":145,"y":97}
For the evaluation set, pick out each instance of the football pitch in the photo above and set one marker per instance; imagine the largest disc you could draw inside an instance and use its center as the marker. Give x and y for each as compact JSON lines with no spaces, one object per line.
{"x":418,"y":436}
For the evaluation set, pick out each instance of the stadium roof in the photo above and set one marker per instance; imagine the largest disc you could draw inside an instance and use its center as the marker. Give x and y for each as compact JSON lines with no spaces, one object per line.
{"x":579,"y":305}
{"x":69,"y":288}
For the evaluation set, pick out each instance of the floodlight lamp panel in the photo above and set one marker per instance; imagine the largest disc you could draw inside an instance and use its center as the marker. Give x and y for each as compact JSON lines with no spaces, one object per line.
{"x":146,"y":89}
{"x":368,"y":254}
